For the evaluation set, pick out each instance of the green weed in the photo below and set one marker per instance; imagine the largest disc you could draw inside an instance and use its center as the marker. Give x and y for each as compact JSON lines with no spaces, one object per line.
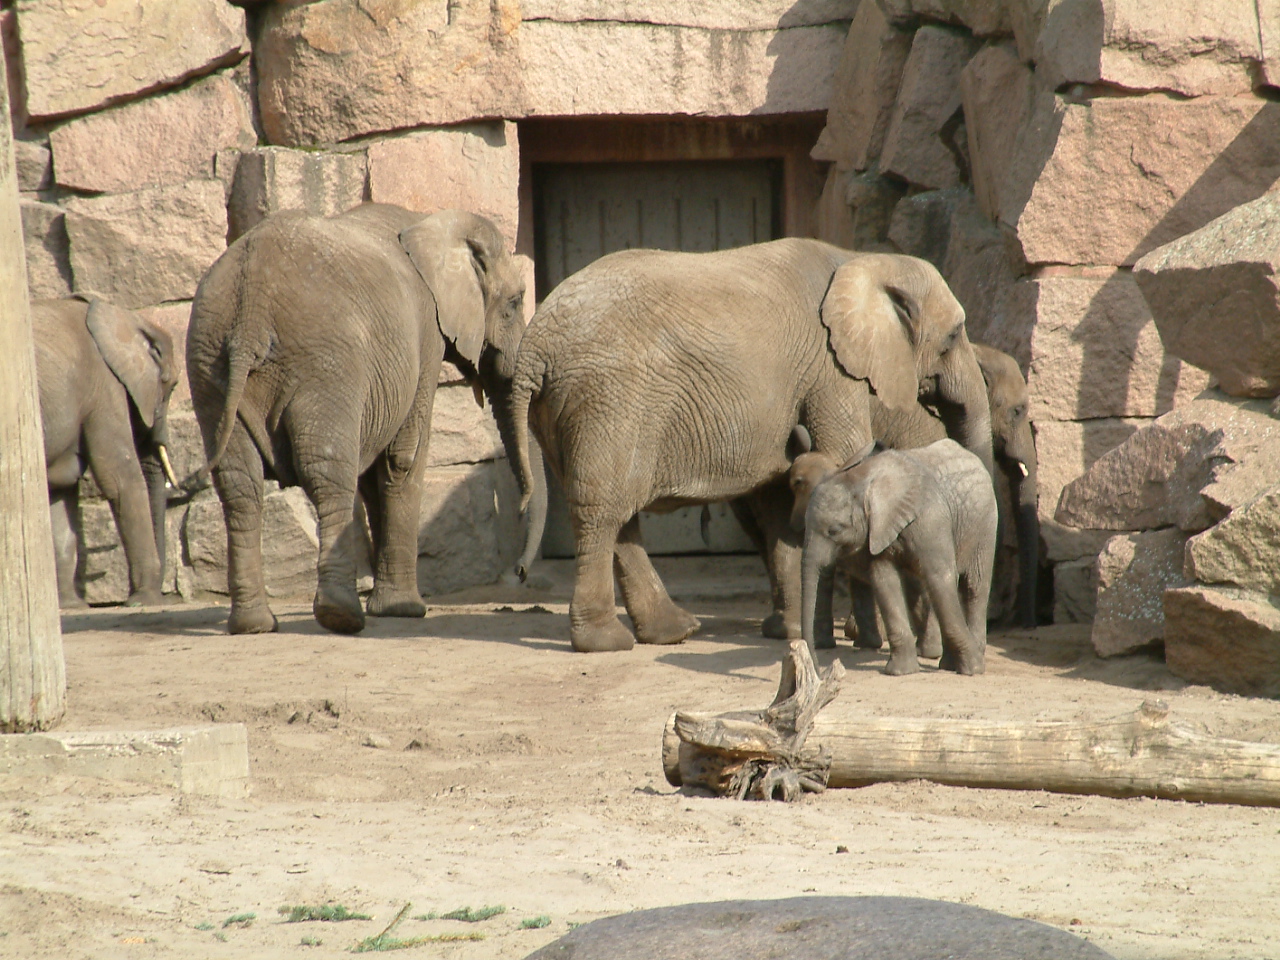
{"x":239,"y":920}
{"x":206,"y":925}
{"x":385,"y":941}
{"x":310,"y":942}
{"x":535,"y":923}
{"x":331,"y":914}
{"x":467,"y":915}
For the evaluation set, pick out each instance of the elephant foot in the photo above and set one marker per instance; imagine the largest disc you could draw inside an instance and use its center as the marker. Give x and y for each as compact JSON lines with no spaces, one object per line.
{"x":967,"y":665}
{"x":673,"y":625}
{"x":72,"y":602}
{"x":605,"y":637}
{"x":777,"y":627}
{"x":900,"y":666}
{"x":826,"y":641}
{"x":145,"y":598}
{"x":338,"y":610}
{"x":255,"y":619}
{"x":929,"y":646}
{"x":388,"y":603}
{"x":862,"y":639}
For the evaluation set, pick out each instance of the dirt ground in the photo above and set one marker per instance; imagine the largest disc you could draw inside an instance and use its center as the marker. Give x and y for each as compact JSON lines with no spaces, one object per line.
{"x":472,"y":759}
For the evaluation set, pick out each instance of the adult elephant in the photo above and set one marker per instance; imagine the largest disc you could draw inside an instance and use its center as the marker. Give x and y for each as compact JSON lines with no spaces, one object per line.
{"x":313,"y":352}
{"x":656,"y":380}
{"x":762,"y":512}
{"x":105,"y":376}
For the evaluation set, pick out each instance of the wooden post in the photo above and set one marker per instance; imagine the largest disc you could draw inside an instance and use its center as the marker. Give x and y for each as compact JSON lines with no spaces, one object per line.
{"x":1142,"y":753}
{"x":33,"y":682}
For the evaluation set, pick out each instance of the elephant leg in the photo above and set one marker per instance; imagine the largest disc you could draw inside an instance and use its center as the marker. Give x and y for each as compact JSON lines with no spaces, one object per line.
{"x":656,"y":617}
{"x":395,"y":572}
{"x":866,"y":632}
{"x":765,"y":516}
{"x":886,"y":580}
{"x":64,"y":517}
{"x":925,"y":622}
{"x":960,"y":650}
{"x":109,"y":441}
{"x":238,"y":479}
{"x":331,"y":486}
{"x":594,"y":626}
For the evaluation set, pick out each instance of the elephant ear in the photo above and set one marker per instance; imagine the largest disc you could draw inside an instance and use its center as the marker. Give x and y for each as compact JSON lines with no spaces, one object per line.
{"x":130,"y":352}
{"x":869,"y":327}
{"x":891,"y":503}
{"x":453,"y":251}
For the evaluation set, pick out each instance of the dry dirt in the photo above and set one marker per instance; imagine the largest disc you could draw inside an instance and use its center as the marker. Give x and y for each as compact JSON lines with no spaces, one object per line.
{"x":537,"y":785}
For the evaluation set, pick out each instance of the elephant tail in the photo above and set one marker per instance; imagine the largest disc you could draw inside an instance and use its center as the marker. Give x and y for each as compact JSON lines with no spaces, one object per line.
{"x":240,"y":363}
{"x":522,"y":391}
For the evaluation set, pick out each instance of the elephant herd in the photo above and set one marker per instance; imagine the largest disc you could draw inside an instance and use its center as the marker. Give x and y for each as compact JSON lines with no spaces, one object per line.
{"x":832,"y":397}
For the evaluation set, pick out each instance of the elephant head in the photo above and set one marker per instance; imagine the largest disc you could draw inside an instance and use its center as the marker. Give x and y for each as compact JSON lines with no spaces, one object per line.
{"x":892,"y":321}
{"x":1015,"y":453}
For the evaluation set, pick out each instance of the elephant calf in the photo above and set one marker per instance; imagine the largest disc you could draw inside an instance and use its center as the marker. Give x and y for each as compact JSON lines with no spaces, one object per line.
{"x":929,"y":513}
{"x":105,"y":376}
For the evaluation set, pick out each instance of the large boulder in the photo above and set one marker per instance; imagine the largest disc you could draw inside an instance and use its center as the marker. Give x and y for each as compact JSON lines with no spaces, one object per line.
{"x":167,"y":139}
{"x":864,"y":89}
{"x":1244,"y":549}
{"x":999,"y":94}
{"x":1187,"y":469}
{"x":1133,"y":572}
{"x":817,"y":928}
{"x":79,"y":55}
{"x":1192,"y":47}
{"x":44,"y":235}
{"x":1065,"y":450}
{"x":1095,"y":351}
{"x":1075,"y":590}
{"x":461,"y":432}
{"x":855,"y":208}
{"x":147,"y":246}
{"x":924,"y":140}
{"x":711,"y":14}
{"x":1107,"y":180}
{"x":268,"y":180}
{"x":1226,"y":638}
{"x":34,"y":163}
{"x":472,"y":167}
{"x":470,"y":526}
{"x":1215,"y":297}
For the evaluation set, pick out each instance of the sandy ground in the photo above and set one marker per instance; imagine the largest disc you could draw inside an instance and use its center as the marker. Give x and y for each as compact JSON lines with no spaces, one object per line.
{"x":535,"y":783}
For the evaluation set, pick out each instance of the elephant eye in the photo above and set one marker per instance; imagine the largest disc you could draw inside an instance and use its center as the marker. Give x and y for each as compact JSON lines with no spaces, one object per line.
{"x":835,"y":529}
{"x":1019,"y":412}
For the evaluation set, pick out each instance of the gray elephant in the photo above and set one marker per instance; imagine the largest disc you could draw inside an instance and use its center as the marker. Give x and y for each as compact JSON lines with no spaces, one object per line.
{"x":314,"y":350}
{"x":105,"y":376}
{"x":904,"y":428}
{"x":928,"y":513}
{"x":655,"y":380}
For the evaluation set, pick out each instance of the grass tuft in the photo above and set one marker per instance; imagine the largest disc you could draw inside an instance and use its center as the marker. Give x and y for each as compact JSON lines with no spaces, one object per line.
{"x":310,"y":942}
{"x":239,"y":920}
{"x":535,"y":923}
{"x":383,"y":942}
{"x":329,"y":914}
{"x":467,"y":915}
{"x":204,"y":925}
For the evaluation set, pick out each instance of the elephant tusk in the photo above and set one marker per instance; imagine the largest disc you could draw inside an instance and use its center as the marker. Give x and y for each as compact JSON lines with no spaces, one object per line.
{"x":1023,"y":467}
{"x":168,"y":467}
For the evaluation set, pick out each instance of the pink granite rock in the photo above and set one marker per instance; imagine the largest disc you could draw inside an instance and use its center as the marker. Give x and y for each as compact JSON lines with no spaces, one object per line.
{"x":712,"y":14}
{"x":1226,"y":638}
{"x":1133,"y":572}
{"x":270,"y":179}
{"x":167,"y":139}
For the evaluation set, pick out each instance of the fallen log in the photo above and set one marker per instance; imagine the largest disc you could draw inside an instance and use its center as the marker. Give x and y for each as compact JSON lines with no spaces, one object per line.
{"x":786,"y":749}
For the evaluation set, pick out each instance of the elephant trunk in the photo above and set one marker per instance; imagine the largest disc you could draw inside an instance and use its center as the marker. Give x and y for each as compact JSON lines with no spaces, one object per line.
{"x":153,"y":472}
{"x":817,"y":576}
{"x":1022,"y":469}
{"x":525,"y":462}
{"x":963,"y":404}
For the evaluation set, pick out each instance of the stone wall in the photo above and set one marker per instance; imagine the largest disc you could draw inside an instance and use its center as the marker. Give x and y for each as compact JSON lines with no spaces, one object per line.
{"x":152,"y":133}
{"x":1034,"y":151}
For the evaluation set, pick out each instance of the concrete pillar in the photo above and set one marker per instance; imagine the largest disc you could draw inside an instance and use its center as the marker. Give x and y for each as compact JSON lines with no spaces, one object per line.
{"x":33,"y":681}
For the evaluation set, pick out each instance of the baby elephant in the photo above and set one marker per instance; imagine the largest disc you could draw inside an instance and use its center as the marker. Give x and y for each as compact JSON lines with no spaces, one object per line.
{"x":928,"y":513}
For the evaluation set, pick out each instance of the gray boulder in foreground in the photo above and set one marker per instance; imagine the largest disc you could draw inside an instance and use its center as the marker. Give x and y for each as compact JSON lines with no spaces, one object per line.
{"x":818,"y":928}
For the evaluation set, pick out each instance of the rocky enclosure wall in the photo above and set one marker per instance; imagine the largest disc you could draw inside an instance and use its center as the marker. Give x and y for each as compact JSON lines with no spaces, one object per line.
{"x":1034,"y":150}
{"x":152,"y":133}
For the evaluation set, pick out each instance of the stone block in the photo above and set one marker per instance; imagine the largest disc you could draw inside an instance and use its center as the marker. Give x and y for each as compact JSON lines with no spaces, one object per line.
{"x":148,"y":246}
{"x":34,"y":163}
{"x":983,"y":17}
{"x":470,"y":526}
{"x":44,"y":235}
{"x":855,"y":209}
{"x":1075,"y":591}
{"x":290,"y":547}
{"x":711,"y":14}
{"x":461,"y":432}
{"x":1026,"y":20}
{"x":1192,"y":47}
{"x":656,"y":70}
{"x":1269,"y":31}
{"x":79,"y":55}
{"x":1177,"y":470}
{"x":159,"y":141}
{"x":1095,"y":351}
{"x":268,"y":180}
{"x":1215,"y":297}
{"x":921,"y":143}
{"x":186,"y":444}
{"x":1133,"y":572}
{"x":1243,"y":550}
{"x":982,"y":269}
{"x":473,"y":167}
{"x":1228,"y":639}
{"x":921,"y":223}
{"x":102,"y":566}
{"x":11,"y":50}
{"x":1159,"y":167}
{"x":173,"y":318}
{"x":1000,"y":95}
{"x":211,"y":761}
{"x":339,"y":69}
{"x":864,"y":89}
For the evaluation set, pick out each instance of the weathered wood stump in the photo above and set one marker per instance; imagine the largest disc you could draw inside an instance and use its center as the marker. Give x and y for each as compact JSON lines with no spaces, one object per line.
{"x":777,"y":752}
{"x":818,"y":928}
